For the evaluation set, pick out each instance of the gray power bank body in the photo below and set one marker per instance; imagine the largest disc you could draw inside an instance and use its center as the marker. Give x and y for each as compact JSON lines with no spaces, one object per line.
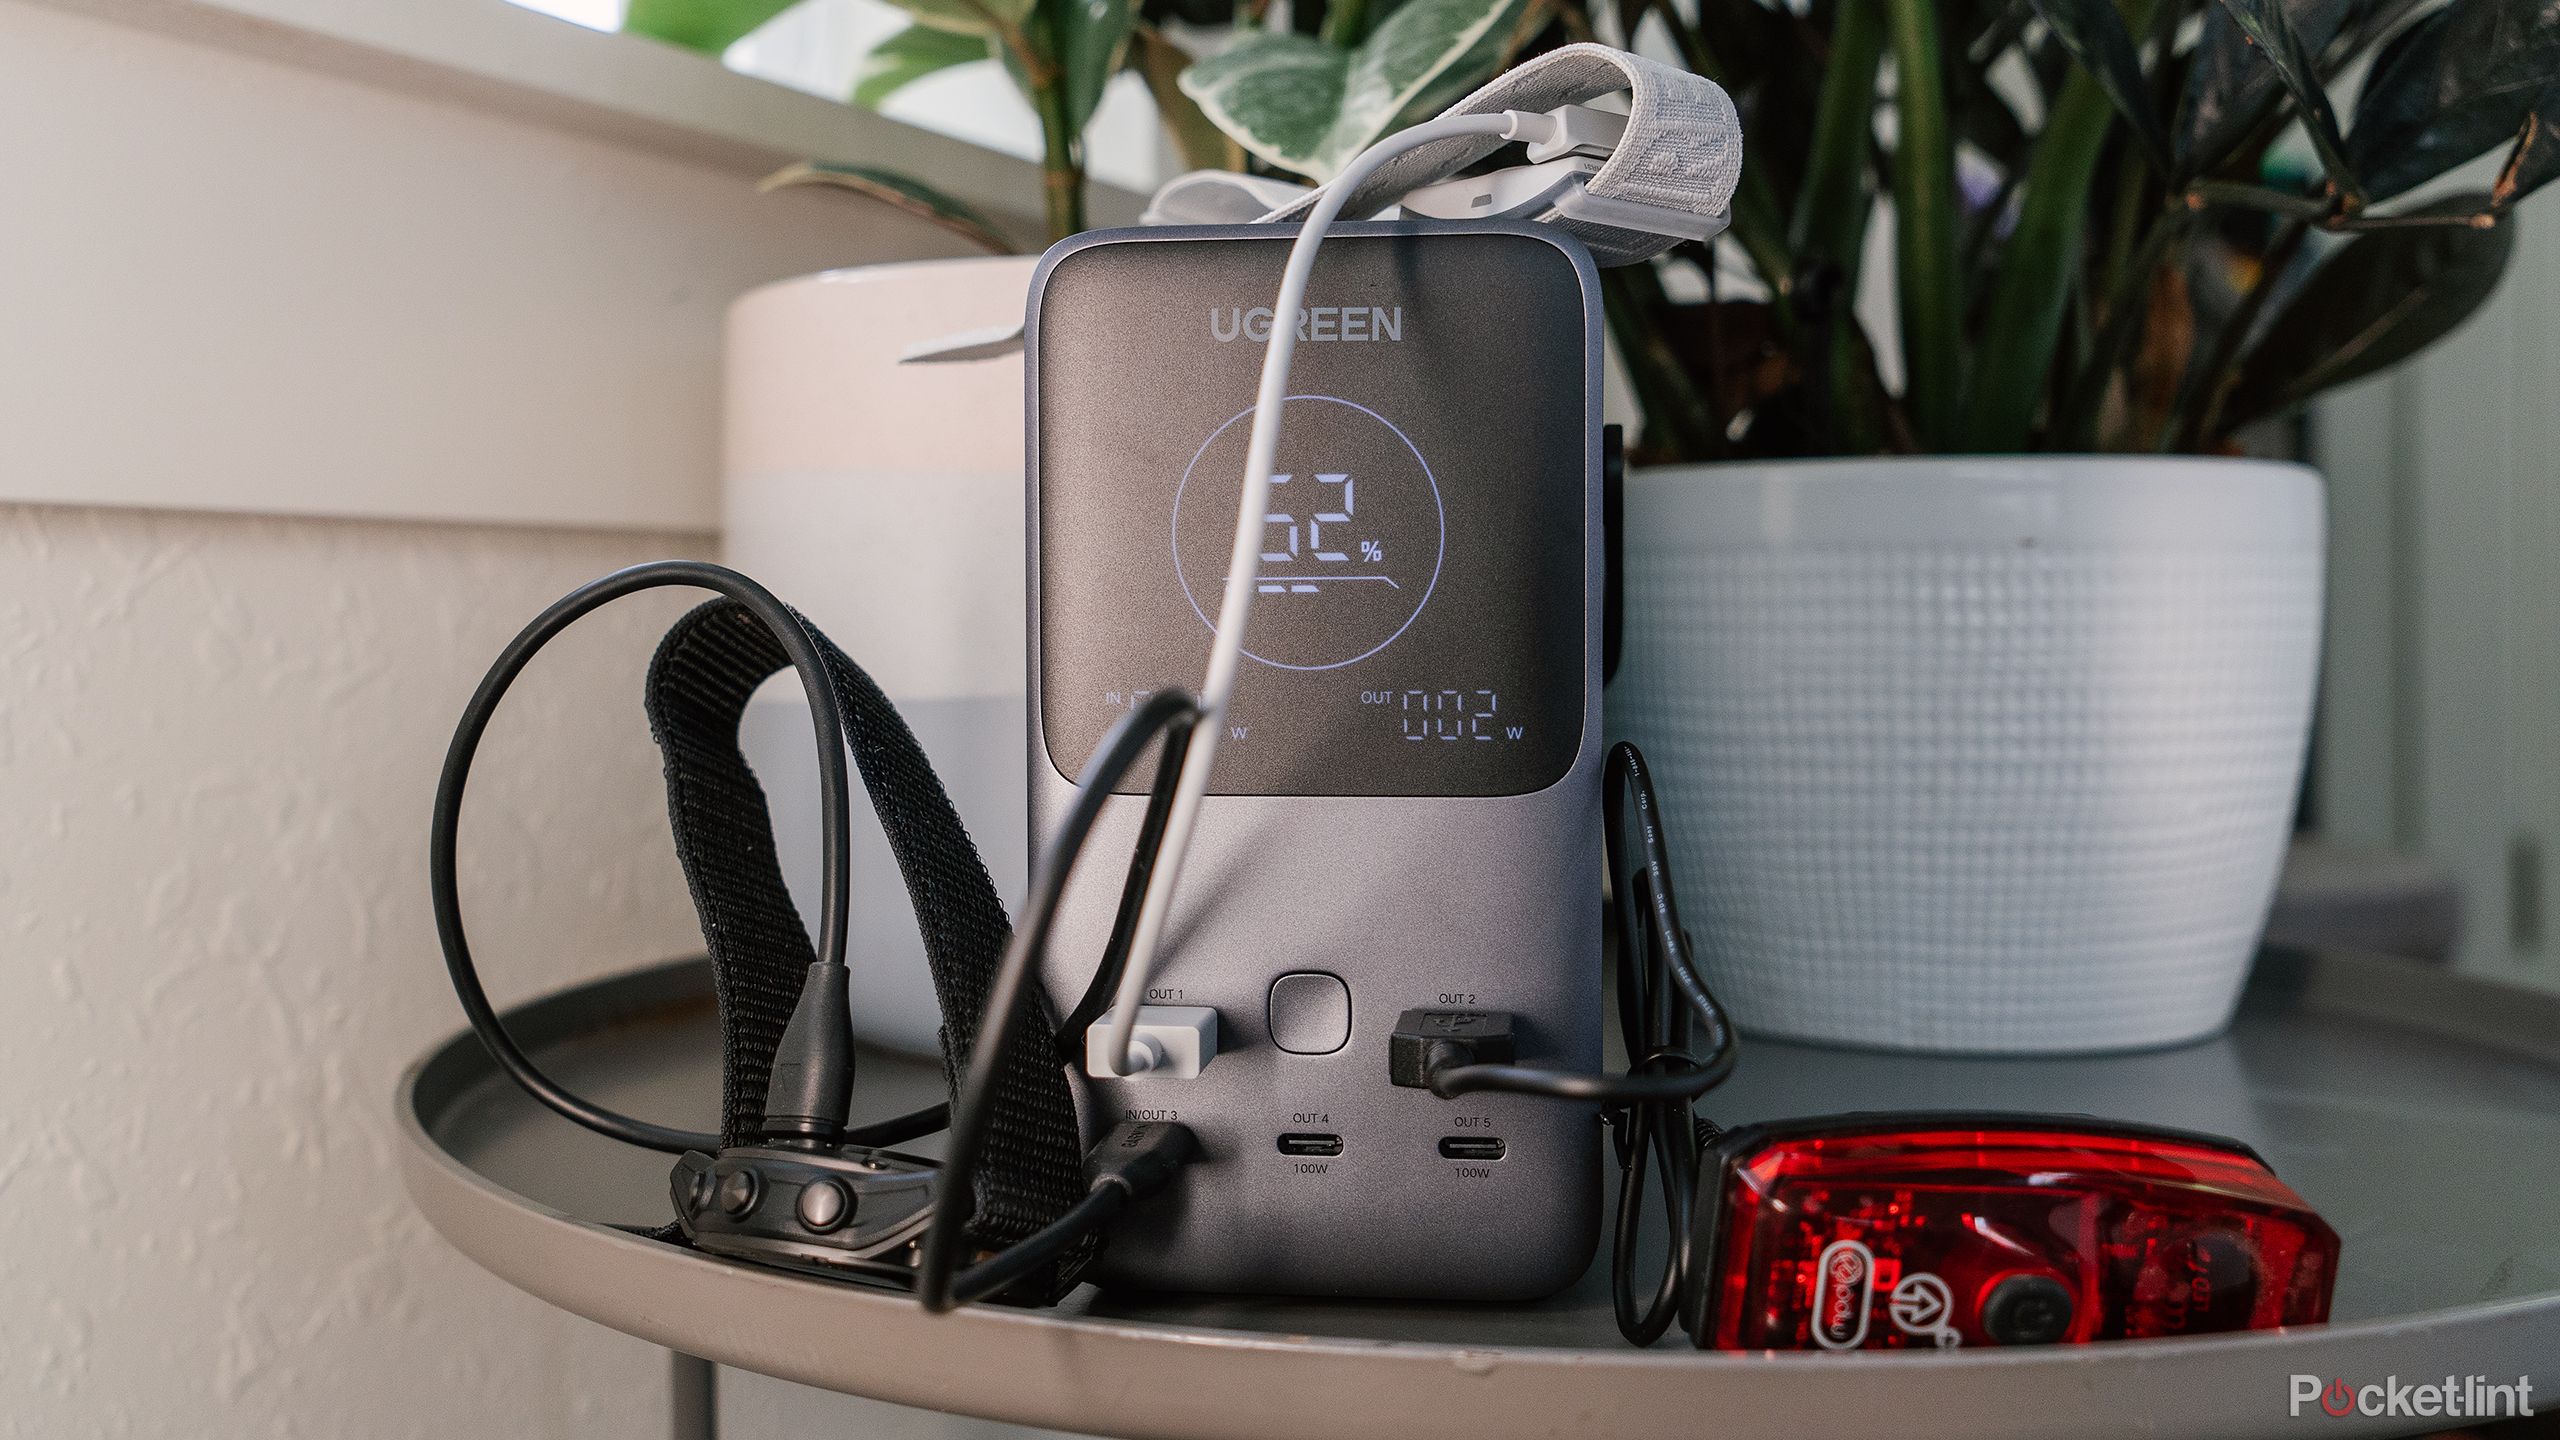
{"x":1405,"y":809}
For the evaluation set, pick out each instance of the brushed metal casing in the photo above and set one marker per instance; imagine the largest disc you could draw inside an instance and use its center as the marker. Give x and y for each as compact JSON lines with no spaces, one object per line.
{"x":1482,"y":901}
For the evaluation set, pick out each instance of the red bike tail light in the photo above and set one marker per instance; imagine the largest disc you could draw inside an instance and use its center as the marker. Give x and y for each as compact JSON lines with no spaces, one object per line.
{"x":1897,"y":1232}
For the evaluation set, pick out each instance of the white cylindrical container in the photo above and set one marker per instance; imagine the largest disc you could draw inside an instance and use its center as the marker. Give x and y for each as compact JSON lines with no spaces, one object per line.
{"x":885,"y":501}
{"x":1988,"y":755}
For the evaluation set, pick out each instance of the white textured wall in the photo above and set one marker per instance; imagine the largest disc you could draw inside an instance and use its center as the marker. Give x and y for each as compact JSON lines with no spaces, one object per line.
{"x":240,"y":283}
{"x":218,"y":742}
{"x":440,"y":259}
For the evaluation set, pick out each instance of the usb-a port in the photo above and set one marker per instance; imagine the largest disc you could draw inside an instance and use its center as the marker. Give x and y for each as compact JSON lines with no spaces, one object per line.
{"x":1470,"y":1147}
{"x":1309,"y":1143}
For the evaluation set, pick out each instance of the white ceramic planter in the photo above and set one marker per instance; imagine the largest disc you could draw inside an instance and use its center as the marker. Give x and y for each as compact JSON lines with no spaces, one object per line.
{"x":885,"y":501}
{"x":1975,"y":755}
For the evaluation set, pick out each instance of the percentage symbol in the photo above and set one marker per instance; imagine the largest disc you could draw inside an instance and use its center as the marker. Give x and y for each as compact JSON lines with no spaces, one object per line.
{"x":1373,"y":550}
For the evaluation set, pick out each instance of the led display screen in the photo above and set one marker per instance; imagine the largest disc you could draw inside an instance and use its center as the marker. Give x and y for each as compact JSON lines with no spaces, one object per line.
{"x":1418,"y":626}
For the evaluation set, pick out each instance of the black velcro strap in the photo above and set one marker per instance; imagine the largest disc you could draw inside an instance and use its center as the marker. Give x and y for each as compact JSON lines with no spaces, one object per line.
{"x":699,"y":683}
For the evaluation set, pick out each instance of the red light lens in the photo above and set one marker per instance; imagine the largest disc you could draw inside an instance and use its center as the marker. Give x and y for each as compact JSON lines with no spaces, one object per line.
{"x":1849,"y":1236}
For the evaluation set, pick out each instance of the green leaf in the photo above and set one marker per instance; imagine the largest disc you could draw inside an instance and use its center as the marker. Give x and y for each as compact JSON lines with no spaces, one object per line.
{"x":1858,"y":408}
{"x":1276,"y":93}
{"x":1827,"y":234}
{"x":1085,"y":39}
{"x":909,"y":56}
{"x":1346,"y":23}
{"x":1303,"y":106}
{"x":1830,"y":221}
{"x":2459,"y":82}
{"x":1774,"y":58}
{"x":2035,"y":278}
{"x":905,"y":193}
{"x":2095,"y":34}
{"x":2272,"y":32}
{"x":2231,"y":89}
{"x":1986,"y":121}
{"x":709,"y":26}
{"x":2379,"y":299}
{"x":1986,"y":37}
{"x":1679,"y":425}
{"x":1092,"y":38}
{"x":1929,"y":276}
{"x":1203,"y":146}
{"x":968,"y":17}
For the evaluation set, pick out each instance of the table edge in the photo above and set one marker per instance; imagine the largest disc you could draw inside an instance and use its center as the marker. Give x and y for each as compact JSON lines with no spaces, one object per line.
{"x":1074,"y":1373}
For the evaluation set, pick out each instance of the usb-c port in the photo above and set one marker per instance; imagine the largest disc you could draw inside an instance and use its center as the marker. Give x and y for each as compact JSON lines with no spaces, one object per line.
{"x":1303,"y":1143}
{"x":1470,"y":1147}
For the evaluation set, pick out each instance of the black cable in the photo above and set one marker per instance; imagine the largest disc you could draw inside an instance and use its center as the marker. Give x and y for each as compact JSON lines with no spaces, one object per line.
{"x":1028,"y":1256}
{"x":792,"y":633}
{"x":1661,"y":996}
{"x":1133,"y":893}
{"x":1143,"y":1162}
{"x":1648,"y":1107}
{"x":1129,"y":1163}
{"x":899,"y":1129}
{"x":1172,"y":713}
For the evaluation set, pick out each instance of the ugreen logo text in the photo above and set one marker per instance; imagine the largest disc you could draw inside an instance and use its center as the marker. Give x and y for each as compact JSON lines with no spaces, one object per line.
{"x":1315,"y":323}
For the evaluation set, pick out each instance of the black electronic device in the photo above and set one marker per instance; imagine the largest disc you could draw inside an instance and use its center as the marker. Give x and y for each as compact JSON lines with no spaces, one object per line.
{"x":1376,"y":1021}
{"x":1405,"y":805}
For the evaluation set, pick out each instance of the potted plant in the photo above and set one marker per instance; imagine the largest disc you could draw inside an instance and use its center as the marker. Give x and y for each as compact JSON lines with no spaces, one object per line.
{"x":872,"y":491}
{"x":875,"y":493}
{"x":1060,"y":55}
{"x":1974,"y":660}
{"x":1974,"y":657}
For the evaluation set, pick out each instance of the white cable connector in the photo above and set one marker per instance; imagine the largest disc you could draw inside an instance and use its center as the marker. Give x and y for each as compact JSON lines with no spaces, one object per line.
{"x":1143,"y":1047}
{"x":1555,"y":186}
{"x":1244,"y":557}
{"x":1175,"y":1042}
{"x":1577,"y":130}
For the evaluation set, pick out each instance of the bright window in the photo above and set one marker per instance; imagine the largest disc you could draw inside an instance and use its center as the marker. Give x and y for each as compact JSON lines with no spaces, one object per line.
{"x":818,"y":45}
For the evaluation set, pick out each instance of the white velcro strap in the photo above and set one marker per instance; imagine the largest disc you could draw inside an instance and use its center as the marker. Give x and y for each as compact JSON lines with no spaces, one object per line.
{"x":1682,"y":150}
{"x":1219,"y":197}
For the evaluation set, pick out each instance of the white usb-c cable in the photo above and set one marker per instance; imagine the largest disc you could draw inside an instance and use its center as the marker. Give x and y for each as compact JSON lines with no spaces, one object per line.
{"x":1244,"y":558}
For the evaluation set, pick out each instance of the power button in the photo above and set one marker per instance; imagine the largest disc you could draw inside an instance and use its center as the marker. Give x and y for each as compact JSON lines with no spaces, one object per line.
{"x":1310,"y":1013}
{"x":2027,"y":1310}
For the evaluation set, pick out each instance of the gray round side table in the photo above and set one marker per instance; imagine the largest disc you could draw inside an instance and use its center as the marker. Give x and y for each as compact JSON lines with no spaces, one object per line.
{"x":2419,"y":1112}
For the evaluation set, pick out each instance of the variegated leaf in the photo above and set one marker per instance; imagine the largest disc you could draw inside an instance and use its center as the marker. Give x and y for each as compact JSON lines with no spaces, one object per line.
{"x":1306,"y":107}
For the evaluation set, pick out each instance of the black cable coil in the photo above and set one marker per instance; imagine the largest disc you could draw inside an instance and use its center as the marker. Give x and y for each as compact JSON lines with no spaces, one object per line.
{"x":1661,"y":996}
{"x":1664,"y":1007}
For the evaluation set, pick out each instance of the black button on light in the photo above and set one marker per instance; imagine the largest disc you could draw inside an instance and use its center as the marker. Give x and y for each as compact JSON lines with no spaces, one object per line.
{"x":2027,"y":1310}
{"x":738,"y":1193}
{"x":697,"y":1192}
{"x":825,"y":1205}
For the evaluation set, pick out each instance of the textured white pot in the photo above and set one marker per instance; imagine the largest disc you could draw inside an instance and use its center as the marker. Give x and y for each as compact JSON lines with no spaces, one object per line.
{"x":885,"y":501}
{"x":1992,"y":755}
